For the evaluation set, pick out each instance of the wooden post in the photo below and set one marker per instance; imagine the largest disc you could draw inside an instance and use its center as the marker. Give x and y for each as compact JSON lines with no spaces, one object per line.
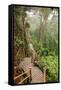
{"x":30,"y":74}
{"x":44,"y":74}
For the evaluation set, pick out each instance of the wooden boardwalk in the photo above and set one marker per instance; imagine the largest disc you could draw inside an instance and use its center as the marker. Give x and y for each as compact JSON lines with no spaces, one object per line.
{"x":36,"y":73}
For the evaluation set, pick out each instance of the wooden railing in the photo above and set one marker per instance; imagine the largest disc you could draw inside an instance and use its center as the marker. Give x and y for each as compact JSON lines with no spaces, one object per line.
{"x":45,"y":74}
{"x":24,"y":79}
{"x":28,"y":76}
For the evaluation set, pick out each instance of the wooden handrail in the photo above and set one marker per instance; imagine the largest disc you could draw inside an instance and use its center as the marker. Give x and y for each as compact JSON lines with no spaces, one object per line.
{"x":29,"y":76}
{"x":24,"y":79}
{"x":20,"y":75}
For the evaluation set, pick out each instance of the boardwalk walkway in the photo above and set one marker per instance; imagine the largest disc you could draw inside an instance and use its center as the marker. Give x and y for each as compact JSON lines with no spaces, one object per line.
{"x":37,"y":75}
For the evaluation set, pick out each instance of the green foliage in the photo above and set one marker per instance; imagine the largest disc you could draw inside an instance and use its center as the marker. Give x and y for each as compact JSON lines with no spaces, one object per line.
{"x":51,"y":64}
{"x":50,"y":61}
{"x":17,"y":41}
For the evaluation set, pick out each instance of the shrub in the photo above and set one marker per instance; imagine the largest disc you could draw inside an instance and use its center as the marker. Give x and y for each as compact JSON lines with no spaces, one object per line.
{"x":51,"y":63}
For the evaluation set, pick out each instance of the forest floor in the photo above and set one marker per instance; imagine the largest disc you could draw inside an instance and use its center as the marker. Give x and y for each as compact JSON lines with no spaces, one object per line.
{"x":37,"y":74}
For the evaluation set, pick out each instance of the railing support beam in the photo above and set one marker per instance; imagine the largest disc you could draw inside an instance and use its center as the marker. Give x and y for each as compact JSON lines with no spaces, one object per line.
{"x":44,"y":74}
{"x":30,"y":73}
